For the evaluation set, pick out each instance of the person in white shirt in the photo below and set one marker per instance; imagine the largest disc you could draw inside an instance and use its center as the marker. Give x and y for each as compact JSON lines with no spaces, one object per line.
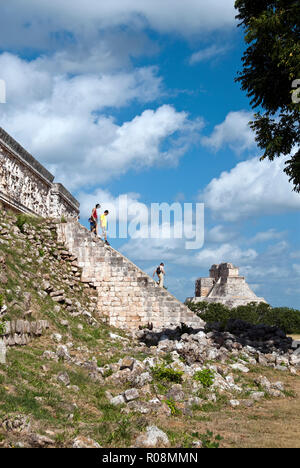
{"x":160,"y":272}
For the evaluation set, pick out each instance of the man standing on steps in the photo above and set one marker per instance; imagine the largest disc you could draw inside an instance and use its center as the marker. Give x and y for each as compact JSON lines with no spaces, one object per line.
{"x":160,"y":271}
{"x":94,"y":220}
{"x":103,"y":223}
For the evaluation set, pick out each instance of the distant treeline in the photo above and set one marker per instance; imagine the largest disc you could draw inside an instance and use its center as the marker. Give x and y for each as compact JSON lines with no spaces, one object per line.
{"x":284,"y":318}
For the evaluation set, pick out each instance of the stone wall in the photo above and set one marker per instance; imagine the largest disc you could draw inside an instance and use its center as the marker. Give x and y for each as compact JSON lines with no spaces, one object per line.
{"x":224,"y":270}
{"x":62,"y":203}
{"x":203,"y":286}
{"x":127,"y":296}
{"x":20,"y":332}
{"x":27,"y":187}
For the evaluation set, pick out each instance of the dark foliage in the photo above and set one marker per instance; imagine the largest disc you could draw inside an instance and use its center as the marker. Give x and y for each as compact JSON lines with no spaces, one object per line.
{"x":284,"y":318}
{"x":271,"y":63}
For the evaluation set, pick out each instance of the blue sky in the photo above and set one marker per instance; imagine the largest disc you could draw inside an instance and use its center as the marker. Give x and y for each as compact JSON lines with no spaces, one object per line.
{"x":138,"y":97}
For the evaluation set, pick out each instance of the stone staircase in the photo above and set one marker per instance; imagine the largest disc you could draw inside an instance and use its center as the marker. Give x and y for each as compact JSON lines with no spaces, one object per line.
{"x":127,"y":296}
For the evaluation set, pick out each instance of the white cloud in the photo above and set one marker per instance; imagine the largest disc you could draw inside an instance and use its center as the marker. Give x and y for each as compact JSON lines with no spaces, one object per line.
{"x":172,"y":250}
{"x":39,"y":24}
{"x":234,"y":132}
{"x":36,"y":84}
{"x":266,"y":272}
{"x":252,"y":188}
{"x":255,"y":287}
{"x":111,"y":52}
{"x":208,"y":53}
{"x":220,"y":234}
{"x":294,"y":292}
{"x":276,"y":250}
{"x":151,"y":249}
{"x":296,"y":268}
{"x":266,"y":236}
{"x":224,"y":253}
{"x":295,"y":254}
{"x":61,"y":120}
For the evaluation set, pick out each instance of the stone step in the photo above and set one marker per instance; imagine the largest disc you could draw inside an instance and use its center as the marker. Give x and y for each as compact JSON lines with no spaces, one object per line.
{"x":127,"y":295}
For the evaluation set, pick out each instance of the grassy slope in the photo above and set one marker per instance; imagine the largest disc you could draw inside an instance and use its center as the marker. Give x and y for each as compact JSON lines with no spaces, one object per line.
{"x":28,"y":384}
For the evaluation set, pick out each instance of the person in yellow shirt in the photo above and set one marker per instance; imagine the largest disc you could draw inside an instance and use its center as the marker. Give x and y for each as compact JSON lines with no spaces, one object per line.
{"x":103,"y":224}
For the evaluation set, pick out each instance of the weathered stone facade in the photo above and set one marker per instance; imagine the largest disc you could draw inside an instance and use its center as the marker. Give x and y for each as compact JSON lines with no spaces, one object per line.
{"x":224,"y":286}
{"x":27,"y":187}
{"x":127,"y":296}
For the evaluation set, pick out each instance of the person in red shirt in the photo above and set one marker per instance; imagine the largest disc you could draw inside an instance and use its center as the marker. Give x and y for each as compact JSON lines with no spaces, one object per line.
{"x":94,"y":220}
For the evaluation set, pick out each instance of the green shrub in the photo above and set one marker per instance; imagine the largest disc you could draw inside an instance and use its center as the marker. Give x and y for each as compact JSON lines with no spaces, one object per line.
{"x":284,"y":318}
{"x":208,"y":439}
{"x":172,"y":405}
{"x":1,"y":300}
{"x":199,"y":307}
{"x":165,"y":373}
{"x":21,"y":220}
{"x":107,"y":373}
{"x":213,"y":312}
{"x":168,"y":358}
{"x":205,"y":377}
{"x":2,"y":328}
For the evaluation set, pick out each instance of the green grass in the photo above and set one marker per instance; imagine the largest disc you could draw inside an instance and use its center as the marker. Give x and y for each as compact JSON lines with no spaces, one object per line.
{"x":28,"y":389}
{"x":205,"y":377}
{"x":172,"y":405}
{"x":209,"y":407}
{"x":162,"y":373}
{"x":113,"y":427}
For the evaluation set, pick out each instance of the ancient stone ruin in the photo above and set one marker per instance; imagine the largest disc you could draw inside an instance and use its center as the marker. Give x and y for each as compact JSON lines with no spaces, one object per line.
{"x":27,"y":187}
{"x":127,"y":296}
{"x":224,"y":286}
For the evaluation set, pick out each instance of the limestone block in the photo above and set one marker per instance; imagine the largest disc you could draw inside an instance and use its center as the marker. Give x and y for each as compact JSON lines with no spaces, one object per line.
{"x":2,"y":352}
